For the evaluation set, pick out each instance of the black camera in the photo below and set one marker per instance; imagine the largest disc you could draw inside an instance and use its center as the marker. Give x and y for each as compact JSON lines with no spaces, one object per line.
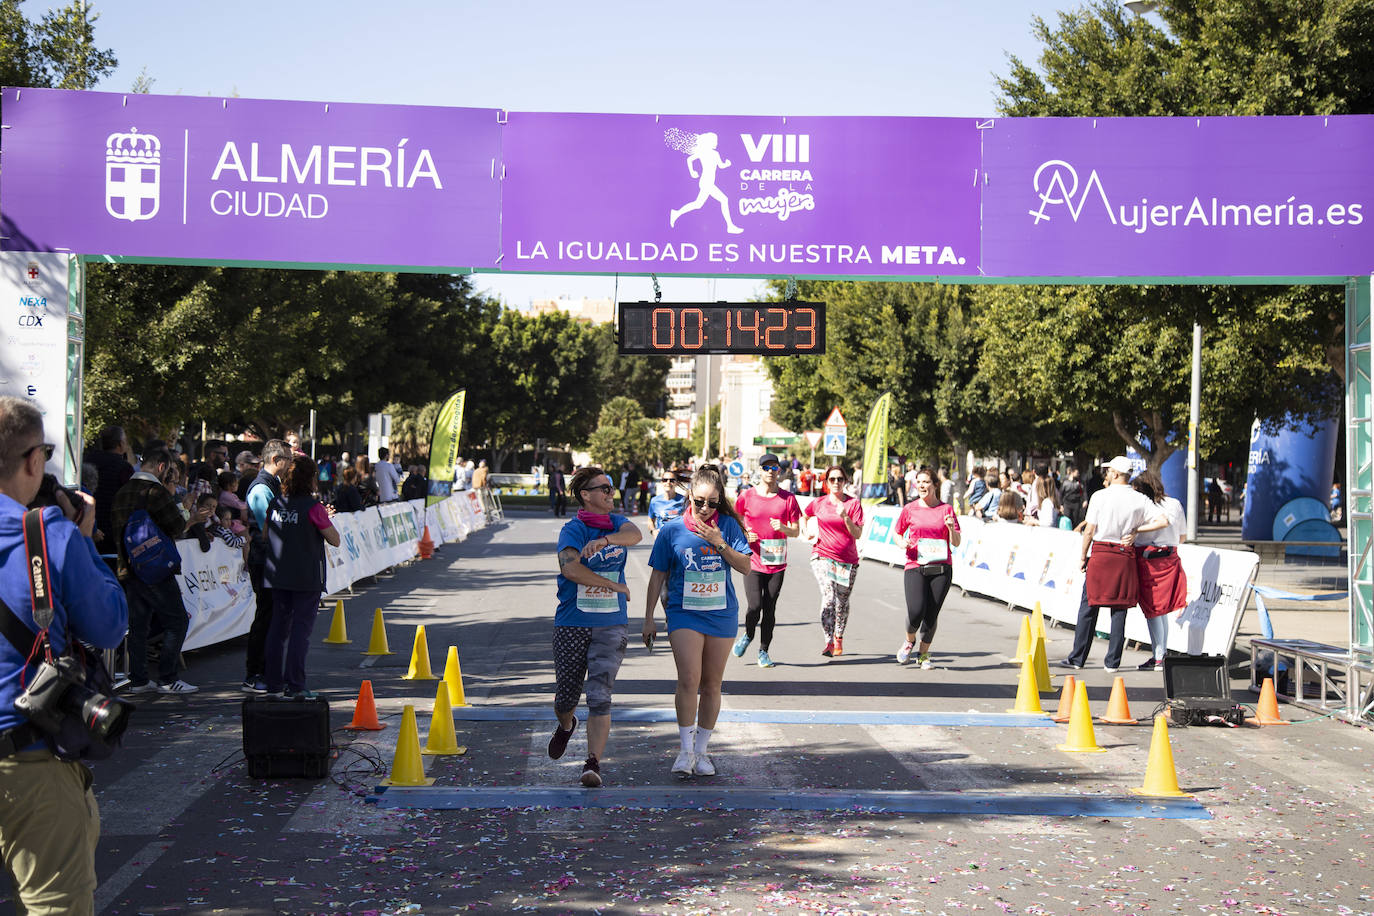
{"x":59,"y":691}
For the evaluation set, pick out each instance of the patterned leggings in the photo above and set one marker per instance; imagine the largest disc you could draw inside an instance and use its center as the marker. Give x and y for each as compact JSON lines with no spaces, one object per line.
{"x":834,"y":596}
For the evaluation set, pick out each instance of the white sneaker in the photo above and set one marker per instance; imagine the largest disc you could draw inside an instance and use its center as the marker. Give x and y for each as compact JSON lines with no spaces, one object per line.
{"x":704,"y":766}
{"x":177,"y":687}
{"x":926,"y":663}
{"x":684,"y":764}
{"x":145,"y":687}
{"x":904,"y":653}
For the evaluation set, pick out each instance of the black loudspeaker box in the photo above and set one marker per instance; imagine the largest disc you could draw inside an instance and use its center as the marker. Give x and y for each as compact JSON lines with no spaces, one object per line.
{"x":286,"y":738}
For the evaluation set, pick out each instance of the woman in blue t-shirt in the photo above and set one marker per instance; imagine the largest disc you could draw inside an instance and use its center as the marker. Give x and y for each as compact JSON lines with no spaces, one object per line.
{"x":694,"y":554}
{"x":589,"y":628}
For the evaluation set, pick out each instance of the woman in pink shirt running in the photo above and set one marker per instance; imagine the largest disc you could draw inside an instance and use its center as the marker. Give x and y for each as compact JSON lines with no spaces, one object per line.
{"x":834,"y":523}
{"x":931,"y":529}
{"x":771,"y":516}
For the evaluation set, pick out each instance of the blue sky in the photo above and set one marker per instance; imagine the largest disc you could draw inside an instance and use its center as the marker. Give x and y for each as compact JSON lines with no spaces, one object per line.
{"x":802,"y":57}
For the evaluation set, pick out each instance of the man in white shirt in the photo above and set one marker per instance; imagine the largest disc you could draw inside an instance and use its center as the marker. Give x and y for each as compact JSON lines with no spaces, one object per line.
{"x":387,"y":476}
{"x":1116,"y":513}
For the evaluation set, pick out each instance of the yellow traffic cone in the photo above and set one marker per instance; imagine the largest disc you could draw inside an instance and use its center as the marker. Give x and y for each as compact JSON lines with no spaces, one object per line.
{"x":1042,"y":664}
{"x":378,"y":644}
{"x":453,"y":677}
{"x":1160,"y":778}
{"x":338,"y":627}
{"x":1027,"y":695}
{"x":1081,"y":738}
{"x":419,"y":659}
{"x":1037,"y":622}
{"x":442,"y":740}
{"x":406,"y":767}
{"x":1023,"y":643}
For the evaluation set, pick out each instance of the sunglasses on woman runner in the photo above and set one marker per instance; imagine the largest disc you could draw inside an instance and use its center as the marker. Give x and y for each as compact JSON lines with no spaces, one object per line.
{"x":702,"y":503}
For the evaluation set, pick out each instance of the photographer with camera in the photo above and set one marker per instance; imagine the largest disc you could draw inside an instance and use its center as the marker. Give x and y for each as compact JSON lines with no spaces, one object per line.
{"x":49,"y":822}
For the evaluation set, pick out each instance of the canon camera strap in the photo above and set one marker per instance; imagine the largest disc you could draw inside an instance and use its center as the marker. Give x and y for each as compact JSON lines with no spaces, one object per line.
{"x":40,"y":588}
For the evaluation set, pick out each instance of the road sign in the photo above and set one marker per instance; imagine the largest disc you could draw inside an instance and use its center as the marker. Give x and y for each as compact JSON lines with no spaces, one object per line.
{"x":835,"y":440}
{"x":813,"y":437}
{"x":836,"y":419}
{"x":736,"y":469}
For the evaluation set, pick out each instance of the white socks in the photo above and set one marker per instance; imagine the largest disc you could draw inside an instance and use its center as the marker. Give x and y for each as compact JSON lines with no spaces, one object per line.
{"x":703,"y":737}
{"x":694,"y":738}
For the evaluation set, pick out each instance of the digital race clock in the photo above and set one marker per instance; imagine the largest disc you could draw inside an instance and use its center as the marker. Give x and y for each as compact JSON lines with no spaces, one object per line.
{"x":766,"y":328}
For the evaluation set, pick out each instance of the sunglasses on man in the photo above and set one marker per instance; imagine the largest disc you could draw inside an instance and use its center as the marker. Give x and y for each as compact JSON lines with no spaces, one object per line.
{"x":835,"y":479}
{"x":604,"y":488}
{"x":47,"y":448}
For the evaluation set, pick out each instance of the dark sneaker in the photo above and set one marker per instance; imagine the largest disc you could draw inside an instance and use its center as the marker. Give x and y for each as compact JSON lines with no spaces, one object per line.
{"x":591,"y":773}
{"x":559,"y":742}
{"x":301,"y":695}
{"x":256,"y":685}
{"x":1149,"y":664}
{"x":1065,"y":663}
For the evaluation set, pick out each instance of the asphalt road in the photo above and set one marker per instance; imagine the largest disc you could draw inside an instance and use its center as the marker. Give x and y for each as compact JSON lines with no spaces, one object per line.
{"x":789,"y":824}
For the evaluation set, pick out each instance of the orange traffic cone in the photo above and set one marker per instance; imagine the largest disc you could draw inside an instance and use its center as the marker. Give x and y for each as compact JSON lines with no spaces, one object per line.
{"x":1267,"y":712}
{"x":1081,"y":737}
{"x":365,"y":712}
{"x":425,"y":545}
{"x":1118,"y":710}
{"x":1065,"y":700}
{"x":1160,"y":778}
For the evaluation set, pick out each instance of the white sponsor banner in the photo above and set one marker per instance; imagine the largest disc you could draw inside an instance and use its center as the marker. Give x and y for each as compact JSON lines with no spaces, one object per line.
{"x":219,"y":595}
{"x":33,"y":345}
{"x":1023,"y":564}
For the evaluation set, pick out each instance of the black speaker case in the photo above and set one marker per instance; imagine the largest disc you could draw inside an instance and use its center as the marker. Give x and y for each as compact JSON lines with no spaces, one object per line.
{"x":286,"y":739}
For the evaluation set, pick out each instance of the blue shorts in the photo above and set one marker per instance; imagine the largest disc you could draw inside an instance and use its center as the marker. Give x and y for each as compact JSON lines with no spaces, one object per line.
{"x":708,"y":623}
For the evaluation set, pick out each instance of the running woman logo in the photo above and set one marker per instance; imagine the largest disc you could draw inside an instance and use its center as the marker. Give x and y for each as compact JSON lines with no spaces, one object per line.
{"x":701,"y":153}
{"x":1060,"y":185}
{"x":779,"y":166}
{"x":133,"y":175}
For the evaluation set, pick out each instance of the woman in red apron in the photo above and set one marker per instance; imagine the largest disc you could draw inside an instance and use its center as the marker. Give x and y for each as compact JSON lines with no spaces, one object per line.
{"x":1163,"y":586}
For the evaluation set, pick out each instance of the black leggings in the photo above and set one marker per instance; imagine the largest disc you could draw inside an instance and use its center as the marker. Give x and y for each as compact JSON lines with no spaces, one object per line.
{"x":924,"y":596}
{"x":762,"y":589}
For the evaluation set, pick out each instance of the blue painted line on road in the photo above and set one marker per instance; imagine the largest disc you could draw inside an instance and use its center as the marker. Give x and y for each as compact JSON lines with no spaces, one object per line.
{"x":769,"y":716}
{"x":971,"y":804}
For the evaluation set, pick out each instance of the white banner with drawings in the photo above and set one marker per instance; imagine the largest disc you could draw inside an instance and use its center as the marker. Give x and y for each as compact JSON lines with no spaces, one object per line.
{"x":1023,"y":564}
{"x":219,"y":596}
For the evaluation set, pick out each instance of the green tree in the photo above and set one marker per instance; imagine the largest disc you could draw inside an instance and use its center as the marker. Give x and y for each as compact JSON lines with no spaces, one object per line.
{"x":640,"y":377}
{"x":915,"y":340}
{"x":257,"y":349}
{"x":623,"y":435}
{"x":1210,"y":57}
{"x":543,"y":382}
{"x":58,"y":51}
